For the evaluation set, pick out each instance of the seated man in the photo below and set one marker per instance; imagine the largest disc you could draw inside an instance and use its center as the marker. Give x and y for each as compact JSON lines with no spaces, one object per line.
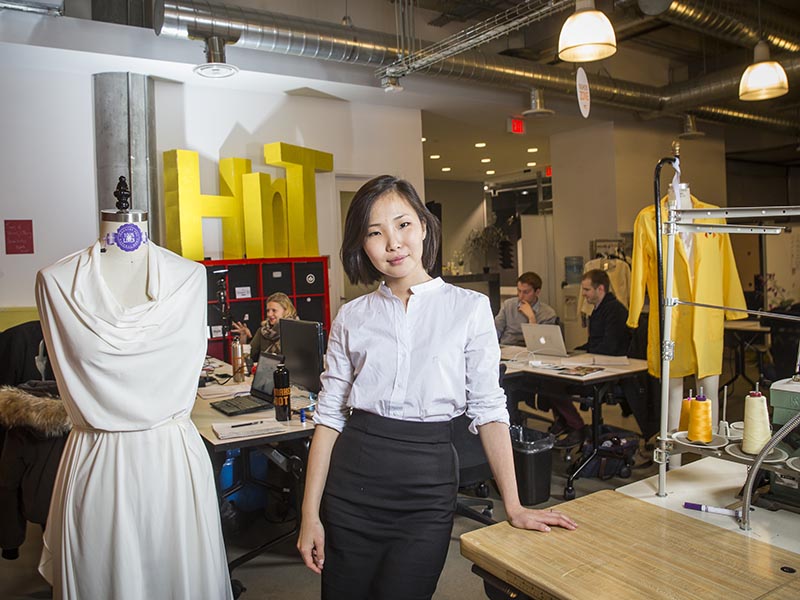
{"x":608,"y":334}
{"x":525,"y":308}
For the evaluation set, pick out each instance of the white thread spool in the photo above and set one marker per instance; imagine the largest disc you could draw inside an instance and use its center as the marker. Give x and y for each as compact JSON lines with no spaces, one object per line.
{"x":756,"y":423}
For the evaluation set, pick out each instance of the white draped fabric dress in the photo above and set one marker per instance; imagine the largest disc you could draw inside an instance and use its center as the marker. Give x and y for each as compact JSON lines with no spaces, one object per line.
{"x":134,"y":510}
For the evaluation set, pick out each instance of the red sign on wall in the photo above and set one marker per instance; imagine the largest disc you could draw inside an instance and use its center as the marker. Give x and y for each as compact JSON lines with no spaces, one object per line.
{"x":19,"y":236}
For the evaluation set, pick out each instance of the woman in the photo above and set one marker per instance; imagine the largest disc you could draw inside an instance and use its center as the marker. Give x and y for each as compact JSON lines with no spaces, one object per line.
{"x":381,"y":483}
{"x":268,"y":336}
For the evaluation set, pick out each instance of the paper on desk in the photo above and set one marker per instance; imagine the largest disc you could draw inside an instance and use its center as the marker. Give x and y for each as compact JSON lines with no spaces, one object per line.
{"x":215,"y":392}
{"x":226,"y":431}
{"x":595,"y":359}
{"x":602,"y":359}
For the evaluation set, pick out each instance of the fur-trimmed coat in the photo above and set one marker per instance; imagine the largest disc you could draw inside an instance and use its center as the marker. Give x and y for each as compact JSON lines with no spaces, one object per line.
{"x":37,"y":431}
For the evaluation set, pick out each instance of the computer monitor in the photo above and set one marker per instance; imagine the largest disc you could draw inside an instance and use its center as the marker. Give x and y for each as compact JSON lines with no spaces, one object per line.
{"x":302,"y":346}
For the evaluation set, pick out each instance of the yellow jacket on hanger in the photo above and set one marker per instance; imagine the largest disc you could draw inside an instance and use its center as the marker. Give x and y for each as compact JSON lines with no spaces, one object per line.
{"x":697,"y":332}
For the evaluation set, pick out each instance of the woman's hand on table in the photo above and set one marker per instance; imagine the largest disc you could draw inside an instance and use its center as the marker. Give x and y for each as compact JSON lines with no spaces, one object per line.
{"x":540,"y":520}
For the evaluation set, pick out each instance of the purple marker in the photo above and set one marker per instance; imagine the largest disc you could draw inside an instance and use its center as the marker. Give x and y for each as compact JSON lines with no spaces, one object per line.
{"x":713,"y":509}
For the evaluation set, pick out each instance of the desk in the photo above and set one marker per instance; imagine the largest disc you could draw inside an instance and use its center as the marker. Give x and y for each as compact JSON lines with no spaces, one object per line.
{"x":626,"y":548}
{"x":716,"y":482}
{"x":744,"y":333}
{"x":203,"y":416}
{"x":599,"y":383}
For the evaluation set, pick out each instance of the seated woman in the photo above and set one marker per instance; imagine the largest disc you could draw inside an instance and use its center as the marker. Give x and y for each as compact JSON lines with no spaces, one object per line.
{"x":268,"y":336}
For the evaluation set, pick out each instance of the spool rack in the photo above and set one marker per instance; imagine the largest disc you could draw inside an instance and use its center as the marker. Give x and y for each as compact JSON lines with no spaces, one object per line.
{"x":681,"y":220}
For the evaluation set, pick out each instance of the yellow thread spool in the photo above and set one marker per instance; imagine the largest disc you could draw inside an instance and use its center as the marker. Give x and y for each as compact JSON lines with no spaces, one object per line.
{"x":756,"y":423}
{"x":686,"y":405}
{"x":700,"y":421}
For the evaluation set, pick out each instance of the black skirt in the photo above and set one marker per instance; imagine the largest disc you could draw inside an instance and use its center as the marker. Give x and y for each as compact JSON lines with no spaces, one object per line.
{"x":388,"y":509}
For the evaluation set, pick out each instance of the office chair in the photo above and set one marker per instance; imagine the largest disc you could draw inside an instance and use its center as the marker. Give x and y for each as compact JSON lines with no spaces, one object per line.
{"x":785,"y":336}
{"x":473,"y":470}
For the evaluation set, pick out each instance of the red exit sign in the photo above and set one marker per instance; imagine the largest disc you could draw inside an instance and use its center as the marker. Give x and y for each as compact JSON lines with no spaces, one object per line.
{"x":515,"y":125}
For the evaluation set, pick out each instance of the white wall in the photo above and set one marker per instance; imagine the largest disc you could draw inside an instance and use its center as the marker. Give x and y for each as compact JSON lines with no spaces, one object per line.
{"x":584,"y":193}
{"x":462,"y":211}
{"x":48,"y":169}
{"x":639,"y":146}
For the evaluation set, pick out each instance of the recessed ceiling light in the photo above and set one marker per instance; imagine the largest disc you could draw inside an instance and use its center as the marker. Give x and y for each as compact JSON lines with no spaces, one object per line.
{"x":524,"y":192}
{"x":480,"y":145}
{"x":486,"y":160}
{"x":424,"y":139}
{"x":486,"y":188}
{"x":530,"y":164}
{"x":445,"y":169}
{"x":533,"y":149}
{"x":490,"y":172}
{"x":435,"y":156}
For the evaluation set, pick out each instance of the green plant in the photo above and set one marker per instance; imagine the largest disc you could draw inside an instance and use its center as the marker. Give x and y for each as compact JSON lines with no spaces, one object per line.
{"x":481,"y":241}
{"x":776,"y":294}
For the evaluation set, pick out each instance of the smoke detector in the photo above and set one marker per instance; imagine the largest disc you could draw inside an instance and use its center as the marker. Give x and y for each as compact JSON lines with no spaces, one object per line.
{"x":537,"y":108}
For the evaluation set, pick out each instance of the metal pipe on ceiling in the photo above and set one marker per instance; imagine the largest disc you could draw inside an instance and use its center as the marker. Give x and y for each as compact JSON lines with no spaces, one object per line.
{"x":295,"y":36}
{"x":733,"y":22}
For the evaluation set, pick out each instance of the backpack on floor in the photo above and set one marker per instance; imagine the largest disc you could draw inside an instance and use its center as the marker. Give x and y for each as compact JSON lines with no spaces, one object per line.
{"x":616,"y":453}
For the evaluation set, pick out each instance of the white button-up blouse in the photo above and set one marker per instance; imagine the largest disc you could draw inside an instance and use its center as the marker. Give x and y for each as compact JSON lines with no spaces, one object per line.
{"x":430,"y":361}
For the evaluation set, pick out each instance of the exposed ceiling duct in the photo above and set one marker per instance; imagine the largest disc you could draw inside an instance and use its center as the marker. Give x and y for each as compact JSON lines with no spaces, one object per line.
{"x":733,"y":22}
{"x":53,"y":8}
{"x":261,"y":30}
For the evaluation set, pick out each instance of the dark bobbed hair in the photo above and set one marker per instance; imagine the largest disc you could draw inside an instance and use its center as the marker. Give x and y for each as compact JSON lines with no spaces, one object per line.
{"x":357,"y":266}
{"x":598,"y":277}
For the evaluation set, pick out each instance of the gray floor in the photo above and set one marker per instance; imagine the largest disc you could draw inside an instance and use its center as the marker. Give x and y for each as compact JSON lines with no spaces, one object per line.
{"x":280,"y":575}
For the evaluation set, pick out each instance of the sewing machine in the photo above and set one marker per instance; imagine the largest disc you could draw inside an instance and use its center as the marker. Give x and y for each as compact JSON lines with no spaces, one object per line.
{"x":784,"y":397}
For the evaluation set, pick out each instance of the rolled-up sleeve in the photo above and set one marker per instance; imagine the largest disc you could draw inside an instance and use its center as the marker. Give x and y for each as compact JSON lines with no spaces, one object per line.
{"x":332,"y":410}
{"x":486,"y":400}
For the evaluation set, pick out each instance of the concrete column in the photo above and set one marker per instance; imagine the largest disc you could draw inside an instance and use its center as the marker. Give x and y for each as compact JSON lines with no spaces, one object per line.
{"x":125,"y":142}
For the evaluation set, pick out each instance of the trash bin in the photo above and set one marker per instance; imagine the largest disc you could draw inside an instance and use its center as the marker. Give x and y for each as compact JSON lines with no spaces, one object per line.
{"x":533,"y":463}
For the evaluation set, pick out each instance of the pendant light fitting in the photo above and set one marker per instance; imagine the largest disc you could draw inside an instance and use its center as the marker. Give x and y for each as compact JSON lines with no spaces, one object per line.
{"x":765,"y":78}
{"x":587,"y":35}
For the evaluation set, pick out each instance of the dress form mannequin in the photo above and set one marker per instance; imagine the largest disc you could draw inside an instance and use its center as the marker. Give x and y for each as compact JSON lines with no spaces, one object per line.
{"x":123,"y":235}
{"x":125,"y":325}
{"x":710,"y":385}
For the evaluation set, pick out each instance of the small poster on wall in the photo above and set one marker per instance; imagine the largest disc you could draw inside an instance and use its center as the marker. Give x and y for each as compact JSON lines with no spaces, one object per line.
{"x":19,"y":236}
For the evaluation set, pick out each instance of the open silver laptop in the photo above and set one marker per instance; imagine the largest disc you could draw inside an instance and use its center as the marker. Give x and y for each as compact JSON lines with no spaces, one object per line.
{"x":544,"y":339}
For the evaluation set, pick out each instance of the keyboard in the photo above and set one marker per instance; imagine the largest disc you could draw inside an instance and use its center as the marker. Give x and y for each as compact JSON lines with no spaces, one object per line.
{"x":241,"y":405}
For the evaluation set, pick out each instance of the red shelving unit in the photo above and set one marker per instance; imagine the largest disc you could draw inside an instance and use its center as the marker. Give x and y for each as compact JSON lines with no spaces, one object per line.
{"x":249,"y":282}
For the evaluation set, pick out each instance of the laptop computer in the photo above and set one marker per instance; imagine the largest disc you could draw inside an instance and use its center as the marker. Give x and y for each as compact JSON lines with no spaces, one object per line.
{"x":260,"y":397}
{"x":544,"y":339}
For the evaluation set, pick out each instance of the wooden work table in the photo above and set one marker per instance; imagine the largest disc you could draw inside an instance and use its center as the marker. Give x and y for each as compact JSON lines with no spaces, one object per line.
{"x":626,"y":548}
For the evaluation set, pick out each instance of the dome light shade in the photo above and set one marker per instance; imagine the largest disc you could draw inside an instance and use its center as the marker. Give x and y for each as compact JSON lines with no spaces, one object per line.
{"x":764,"y":79}
{"x":587,"y":35}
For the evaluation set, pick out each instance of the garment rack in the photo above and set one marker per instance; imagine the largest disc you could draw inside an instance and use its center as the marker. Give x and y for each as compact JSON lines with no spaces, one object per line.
{"x":673,"y":225}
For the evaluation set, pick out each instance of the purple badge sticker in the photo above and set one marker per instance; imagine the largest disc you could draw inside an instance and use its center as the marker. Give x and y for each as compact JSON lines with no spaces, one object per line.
{"x":128,"y":237}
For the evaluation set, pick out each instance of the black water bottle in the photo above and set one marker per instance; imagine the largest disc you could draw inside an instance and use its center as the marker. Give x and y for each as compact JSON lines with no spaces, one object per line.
{"x":282,"y":395}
